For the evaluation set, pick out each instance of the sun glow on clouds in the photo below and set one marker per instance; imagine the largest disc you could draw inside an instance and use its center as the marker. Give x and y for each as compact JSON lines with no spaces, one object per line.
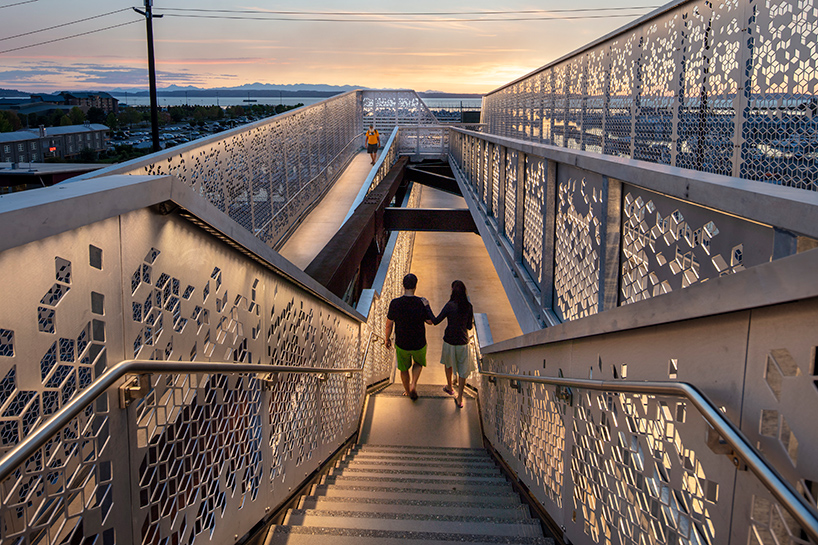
{"x":446,"y":55}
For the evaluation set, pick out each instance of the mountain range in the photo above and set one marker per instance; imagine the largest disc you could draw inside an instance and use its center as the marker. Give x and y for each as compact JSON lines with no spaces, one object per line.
{"x":248,"y":89}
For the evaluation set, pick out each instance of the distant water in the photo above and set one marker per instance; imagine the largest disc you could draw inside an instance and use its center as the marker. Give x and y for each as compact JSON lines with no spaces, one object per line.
{"x":142,"y":100}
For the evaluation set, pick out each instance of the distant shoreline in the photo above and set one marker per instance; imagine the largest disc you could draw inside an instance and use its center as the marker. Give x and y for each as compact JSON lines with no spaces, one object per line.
{"x":275,"y":94}
{"x":230,"y":93}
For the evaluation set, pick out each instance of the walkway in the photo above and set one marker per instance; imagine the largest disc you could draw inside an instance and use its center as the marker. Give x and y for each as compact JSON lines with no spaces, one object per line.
{"x":325,"y":219}
{"x":438,"y":259}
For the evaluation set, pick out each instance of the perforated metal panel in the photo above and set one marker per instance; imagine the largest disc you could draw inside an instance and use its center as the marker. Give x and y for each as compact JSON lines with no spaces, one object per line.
{"x":61,"y":336}
{"x":510,"y":193}
{"x":577,"y":250}
{"x":201,"y":457}
{"x":724,"y":87}
{"x":669,"y":245}
{"x":633,"y":468}
{"x":534,"y":200}
{"x":388,"y":109}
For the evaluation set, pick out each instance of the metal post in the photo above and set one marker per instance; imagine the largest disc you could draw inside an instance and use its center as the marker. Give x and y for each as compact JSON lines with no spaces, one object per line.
{"x":148,"y":14}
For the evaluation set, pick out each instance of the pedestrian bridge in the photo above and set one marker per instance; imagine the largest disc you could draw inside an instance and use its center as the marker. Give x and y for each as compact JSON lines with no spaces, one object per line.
{"x":647,"y":205}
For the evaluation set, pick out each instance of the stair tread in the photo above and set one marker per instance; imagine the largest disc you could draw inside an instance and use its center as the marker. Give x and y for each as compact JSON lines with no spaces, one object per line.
{"x":398,"y":480}
{"x":347,"y":536}
{"x":454,"y":464}
{"x":416,"y":507}
{"x":396,"y":522}
{"x":418,"y":472}
{"x":401,"y":455}
{"x":409,"y":448}
{"x":380,"y":492}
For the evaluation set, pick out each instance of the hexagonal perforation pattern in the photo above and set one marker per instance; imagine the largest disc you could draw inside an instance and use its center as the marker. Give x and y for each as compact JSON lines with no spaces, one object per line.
{"x":534,"y":198}
{"x":724,"y":87}
{"x":70,"y":478}
{"x":669,"y":245}
{"x":580,"y":212}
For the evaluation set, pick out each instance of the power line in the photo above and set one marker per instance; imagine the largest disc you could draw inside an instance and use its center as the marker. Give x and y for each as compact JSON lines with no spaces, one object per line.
{"x":327,"y":20}
{"x":409,"y":13}
{"x":18,"y":4}
{"x":64,"y":24}
{"x":69,"y":37}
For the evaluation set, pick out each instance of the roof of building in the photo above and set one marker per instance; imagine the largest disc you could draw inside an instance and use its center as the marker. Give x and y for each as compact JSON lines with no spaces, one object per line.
{"x":34,"y":134}
{"x":70,"y":129}
{"x":17,"y":136}
{"x":38,"y":107}
{"x":14,"y":100}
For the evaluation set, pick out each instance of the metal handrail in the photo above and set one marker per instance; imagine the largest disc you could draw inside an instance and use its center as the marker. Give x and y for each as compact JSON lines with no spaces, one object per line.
{"x":43,"y":433}
{"x":804,"y":513}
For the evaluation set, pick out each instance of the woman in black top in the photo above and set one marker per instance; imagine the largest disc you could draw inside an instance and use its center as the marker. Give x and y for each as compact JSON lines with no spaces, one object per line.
{"x":455,"y":354}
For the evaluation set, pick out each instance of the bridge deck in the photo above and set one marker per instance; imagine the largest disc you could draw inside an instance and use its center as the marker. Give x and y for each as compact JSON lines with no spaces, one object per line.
{"x":325,"y":219}
{"x":438,"y":259}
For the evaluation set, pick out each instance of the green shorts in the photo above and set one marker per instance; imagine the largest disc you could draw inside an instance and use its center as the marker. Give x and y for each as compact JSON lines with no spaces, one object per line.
{"x":405,"y":357}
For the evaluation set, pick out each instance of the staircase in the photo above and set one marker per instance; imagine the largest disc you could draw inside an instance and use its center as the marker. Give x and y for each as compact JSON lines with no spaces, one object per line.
{"x":410,"y":495}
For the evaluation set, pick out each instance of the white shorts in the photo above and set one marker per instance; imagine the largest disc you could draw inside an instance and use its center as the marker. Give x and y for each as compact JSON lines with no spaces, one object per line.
{"x":457,"y":357}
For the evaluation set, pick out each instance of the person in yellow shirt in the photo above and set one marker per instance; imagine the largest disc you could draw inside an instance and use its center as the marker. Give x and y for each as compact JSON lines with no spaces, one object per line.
{"x":373,"y":142}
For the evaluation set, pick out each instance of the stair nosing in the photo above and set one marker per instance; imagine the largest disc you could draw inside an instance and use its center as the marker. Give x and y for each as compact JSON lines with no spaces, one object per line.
{"x":410,"y":516}
{"x":419,"y":503}
{"x":425,"y":536}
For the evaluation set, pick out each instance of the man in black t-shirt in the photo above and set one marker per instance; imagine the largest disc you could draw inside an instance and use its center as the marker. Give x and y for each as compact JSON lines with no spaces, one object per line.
{"x":409,"y":314}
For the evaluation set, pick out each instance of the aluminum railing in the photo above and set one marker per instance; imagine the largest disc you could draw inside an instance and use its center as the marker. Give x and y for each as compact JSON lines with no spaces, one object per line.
{"x":708,"y":86}
{"x":580,"y":233}
{"x":45,"y":432}
{"x":637,"y":424}
{"x":742,"y":451}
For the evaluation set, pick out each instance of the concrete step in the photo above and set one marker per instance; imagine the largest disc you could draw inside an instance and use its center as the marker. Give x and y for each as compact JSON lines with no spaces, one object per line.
{"x":392,"y":458}
{"x":441,"y":483}
{"x":462,"y":507}
{"x":415,"y":471}
{"x":486,"y":495}
{"x":395,"y":522}
{"x":300,"y":535}
{"x":421,"y":451}
{"x":431,"y":456}
{"x":402,"y":462}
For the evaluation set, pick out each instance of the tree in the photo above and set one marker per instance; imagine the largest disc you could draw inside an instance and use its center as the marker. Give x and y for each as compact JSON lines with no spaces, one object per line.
{"x":10,"y":121}
{"x":76,"y":115}
{"x":55,"y":118}
{"x":111,"y":120}
{"x":95,"y":115}
{"x":87,"y":155}
{"x":129,"y":116}
{"x":66,"y":121}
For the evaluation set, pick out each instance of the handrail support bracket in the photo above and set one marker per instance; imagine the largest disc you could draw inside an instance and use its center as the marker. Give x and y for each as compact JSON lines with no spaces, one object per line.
{"x":718,"y":445}
{"x":134,"y":388}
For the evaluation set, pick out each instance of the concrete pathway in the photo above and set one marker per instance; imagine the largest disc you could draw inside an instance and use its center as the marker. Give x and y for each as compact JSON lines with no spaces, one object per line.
{"x":440,"y":258}
{"x":434,"y":420}
{"x":325,"y":219}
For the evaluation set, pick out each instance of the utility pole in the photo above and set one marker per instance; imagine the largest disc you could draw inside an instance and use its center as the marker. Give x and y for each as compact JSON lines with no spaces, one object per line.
{"x":148,"y":14}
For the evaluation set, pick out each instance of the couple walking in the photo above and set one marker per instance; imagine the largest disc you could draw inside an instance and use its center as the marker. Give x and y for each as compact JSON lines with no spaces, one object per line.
{"x":409,"y":315}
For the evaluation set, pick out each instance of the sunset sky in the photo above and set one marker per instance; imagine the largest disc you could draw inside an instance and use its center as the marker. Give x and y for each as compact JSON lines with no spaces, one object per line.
{"x":421,"y":52}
